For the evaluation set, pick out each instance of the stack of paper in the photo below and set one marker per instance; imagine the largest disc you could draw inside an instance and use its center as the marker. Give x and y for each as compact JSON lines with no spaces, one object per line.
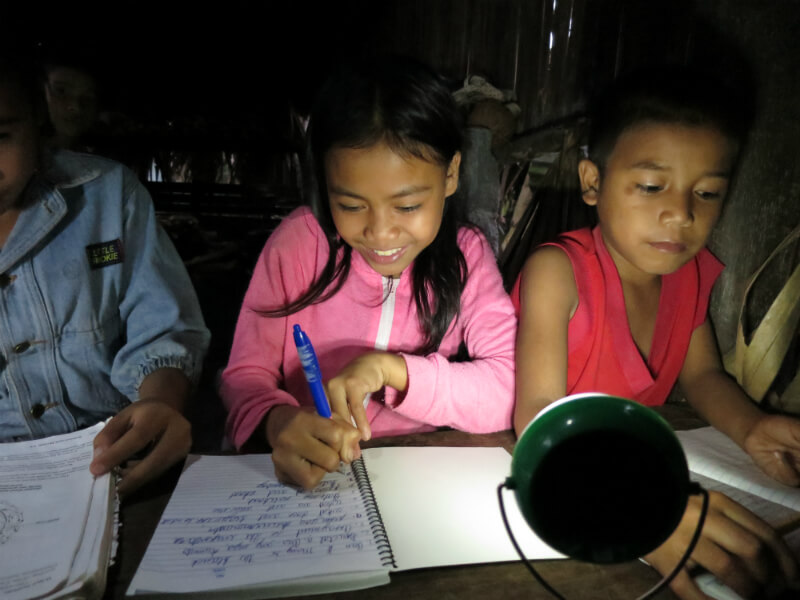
{"x":57,"y":522}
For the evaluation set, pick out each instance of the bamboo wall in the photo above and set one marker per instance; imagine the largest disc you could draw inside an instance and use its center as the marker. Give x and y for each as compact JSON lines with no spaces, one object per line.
{"x":554,"y":52}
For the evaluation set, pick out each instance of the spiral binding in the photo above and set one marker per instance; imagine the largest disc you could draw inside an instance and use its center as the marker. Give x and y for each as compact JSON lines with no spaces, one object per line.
{"x":373,"y":513}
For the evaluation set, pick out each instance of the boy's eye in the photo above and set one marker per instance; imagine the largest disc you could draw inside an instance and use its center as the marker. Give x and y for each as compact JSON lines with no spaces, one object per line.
{"x":707,"y":195}
{"x":648,"y":188}
{"x":408,"y":209}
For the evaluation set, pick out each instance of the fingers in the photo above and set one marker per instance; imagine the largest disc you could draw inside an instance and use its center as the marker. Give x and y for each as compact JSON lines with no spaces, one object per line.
{"x":173,"y":445}
{"x":293,"y":469}
{"x":112,"y":431}
{"x":780,"y":466}
{"x":142,"y":425}
{"x":684,"y":587}
{"x":348,"y":442}
{"x":306,"y":446}
{"x":115,"y":443}
{"x":774,"y":445}
{"x":733,"y":570}
{"x":762,"y":548}
{"x":736,"y":546}
{"x":346,"y":394}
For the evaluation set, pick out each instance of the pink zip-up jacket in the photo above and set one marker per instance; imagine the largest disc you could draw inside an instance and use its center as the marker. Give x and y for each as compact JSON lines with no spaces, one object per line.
{"x":370,"y":312}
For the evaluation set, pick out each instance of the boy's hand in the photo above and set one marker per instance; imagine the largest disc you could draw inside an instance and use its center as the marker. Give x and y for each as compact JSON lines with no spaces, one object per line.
{"x":366,"y":374}
{"x":774,"y":445}
{"x":743,"y":551}
{"x":145,"y":423}
{"x":305,"y":446}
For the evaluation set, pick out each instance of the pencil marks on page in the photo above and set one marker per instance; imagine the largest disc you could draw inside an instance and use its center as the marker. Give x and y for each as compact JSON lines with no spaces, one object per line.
{"x":232,"y":527}
{"x":11,"y":519}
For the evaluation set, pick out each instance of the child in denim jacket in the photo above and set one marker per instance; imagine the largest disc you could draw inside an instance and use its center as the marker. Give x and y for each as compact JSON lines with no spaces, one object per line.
{"x":97,"y":313}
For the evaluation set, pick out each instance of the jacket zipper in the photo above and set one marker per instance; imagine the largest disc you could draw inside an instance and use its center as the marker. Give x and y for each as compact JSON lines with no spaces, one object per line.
{"x":385,"y":323}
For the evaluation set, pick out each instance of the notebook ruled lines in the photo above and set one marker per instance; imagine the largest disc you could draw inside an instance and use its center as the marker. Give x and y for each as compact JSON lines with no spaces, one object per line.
{"x":218,"y":528}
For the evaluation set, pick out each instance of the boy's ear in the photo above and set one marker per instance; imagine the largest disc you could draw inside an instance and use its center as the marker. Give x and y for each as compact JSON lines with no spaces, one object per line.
{"x":589,"y":175}
{"x":451,"y":177}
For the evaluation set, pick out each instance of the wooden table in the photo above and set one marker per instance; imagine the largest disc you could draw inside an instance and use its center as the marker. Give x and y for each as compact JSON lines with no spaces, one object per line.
{"x":573,"y":579}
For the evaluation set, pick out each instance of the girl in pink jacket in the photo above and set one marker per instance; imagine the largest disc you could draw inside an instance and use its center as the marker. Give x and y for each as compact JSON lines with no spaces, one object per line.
{"x":386,"y":279}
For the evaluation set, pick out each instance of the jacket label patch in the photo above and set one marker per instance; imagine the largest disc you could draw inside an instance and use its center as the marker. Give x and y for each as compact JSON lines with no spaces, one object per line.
{"x":104,"y":254}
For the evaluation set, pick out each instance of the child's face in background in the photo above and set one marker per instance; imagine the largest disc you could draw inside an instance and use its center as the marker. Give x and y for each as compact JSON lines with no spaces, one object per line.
{"x":71,"y":101}
{"x":659,"y":196}
{"x":386,"y":206}
{"x":19,"y":145}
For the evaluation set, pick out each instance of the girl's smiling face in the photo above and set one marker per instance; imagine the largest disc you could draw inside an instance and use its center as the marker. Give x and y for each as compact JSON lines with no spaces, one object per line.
{"x":387,"y":206}
{"x":659,"y":196}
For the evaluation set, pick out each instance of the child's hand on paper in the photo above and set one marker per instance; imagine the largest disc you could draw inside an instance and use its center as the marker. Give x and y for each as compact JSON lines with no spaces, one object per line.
{"x":153,"y":424}
{"x":774,"y":445}
{"x":368,"y":373}
{"x":743,"y":551}
{"x":147,"y":423}
{"x":305,"y":445}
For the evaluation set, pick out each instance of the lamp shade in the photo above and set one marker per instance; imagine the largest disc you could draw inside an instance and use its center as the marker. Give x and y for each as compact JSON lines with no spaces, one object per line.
{"x":600,"y":478}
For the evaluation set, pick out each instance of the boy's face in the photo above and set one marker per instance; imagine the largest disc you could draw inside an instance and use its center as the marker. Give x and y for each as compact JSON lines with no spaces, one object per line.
{"x":71,"y":101}
{"x":660,"y":195}
{"x":19,"y":145}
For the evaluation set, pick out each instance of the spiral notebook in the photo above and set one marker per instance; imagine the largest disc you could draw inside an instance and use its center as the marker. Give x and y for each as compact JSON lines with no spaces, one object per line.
{"x":231,"y":530}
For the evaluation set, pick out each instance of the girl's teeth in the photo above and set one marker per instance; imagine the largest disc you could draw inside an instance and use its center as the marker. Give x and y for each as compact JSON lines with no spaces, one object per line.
{"x":386,"y":252}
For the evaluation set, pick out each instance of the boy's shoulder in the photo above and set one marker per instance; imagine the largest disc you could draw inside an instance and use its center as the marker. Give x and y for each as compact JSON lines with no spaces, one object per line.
{"x":581,"y":240}
{"x":66,"y":169}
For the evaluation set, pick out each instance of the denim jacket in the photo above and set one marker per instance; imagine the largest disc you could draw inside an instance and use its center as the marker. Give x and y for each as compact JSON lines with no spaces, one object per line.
{"x":93,"y":298}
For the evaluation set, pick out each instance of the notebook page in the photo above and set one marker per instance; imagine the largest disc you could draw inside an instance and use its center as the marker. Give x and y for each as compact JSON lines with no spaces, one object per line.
{"x":439,"y":506}
{"x":713,"y":454}
{"x":231,"y":524}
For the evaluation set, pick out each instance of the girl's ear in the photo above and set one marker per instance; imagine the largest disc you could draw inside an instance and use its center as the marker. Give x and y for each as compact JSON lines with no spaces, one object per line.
{"x":451,"y":177}
{"x":589,"y":175}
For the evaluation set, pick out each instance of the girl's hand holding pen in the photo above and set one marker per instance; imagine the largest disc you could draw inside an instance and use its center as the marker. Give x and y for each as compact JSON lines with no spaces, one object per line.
{"x":305,"y":445}
{"x":368,"y":373}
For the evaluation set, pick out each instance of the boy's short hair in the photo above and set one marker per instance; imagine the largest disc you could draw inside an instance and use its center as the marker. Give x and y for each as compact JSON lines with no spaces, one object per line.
{"x":667,"y":95}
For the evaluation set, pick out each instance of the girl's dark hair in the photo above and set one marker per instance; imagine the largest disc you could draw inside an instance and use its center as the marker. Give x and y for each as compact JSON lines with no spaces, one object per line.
{"x":668,"y":94}
{"x":409,"y":107}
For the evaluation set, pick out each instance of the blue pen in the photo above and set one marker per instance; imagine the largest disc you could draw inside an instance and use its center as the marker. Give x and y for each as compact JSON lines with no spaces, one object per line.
{"x":308,"y":358}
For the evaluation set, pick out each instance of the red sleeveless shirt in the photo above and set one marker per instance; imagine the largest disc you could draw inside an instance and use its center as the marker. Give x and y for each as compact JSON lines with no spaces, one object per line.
{"x":602,"y":356}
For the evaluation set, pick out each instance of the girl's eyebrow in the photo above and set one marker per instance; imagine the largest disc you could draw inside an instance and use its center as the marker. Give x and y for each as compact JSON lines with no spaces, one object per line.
{"x":647,"y":165}
{"x":406,"y":191}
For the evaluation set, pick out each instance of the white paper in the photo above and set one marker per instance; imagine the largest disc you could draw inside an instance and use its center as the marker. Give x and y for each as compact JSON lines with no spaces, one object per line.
{"x":440,"y":506}
{"x":45,"y":494}
{"x":231,"y":530}
{"x":711,"y":453}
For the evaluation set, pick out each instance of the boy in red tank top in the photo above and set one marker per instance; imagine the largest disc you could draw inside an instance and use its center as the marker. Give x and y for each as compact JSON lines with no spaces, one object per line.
{"x":621,"y":308}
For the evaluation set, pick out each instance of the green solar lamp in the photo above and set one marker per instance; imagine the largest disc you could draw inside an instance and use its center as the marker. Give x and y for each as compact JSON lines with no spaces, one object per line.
{"x":601,"y":479}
